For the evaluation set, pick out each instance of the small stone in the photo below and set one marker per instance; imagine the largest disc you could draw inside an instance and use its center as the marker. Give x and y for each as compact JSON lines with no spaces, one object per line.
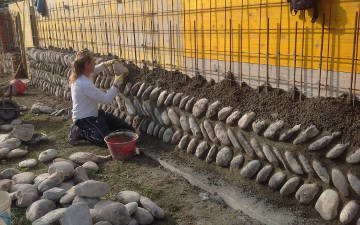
{"x":28,"y":163}
{"x":221,"y":134}
{"x":189,"y":104}
{"x":354,"y":157}
{"x":184,"y":123}
{"x":270,"y":156}
{"x":161,"y":132}
{"x":349,"y":212}
{"x":89,"y":202}
{"x":135,"y":88}
{"x":183,"y":102}
{"x":306,"y":193}
{"x":255,"y":145}
{"x":211,"y":155}
{"x":161,"y":98}
{"x":126,"y":197}
{"x":10,"y":143}
{"x":165,"y":118}
{"x":280,"y":158}
{"x":290,"y":186}
{"x":213,"y":109}
{"x":48,"y":155}
{"x":150,"y":128}
{"x":200,"y":107}
{"x":306,"y":164}
{"x":323,"y":142}
{"x":245,"y":144}
{"x":80,"y":175}
{"x":68,"y":197}
{"x":277,"y":180}
{"x":306,"y":135}
{"x":91,"y":166}
{"x":157,"y":115}
{"x":273,"y":129}
{"x":154,"y":209}
{"x":168,"y":133}
{"x":141,"y":90}
{"x":52,"y":181}
{"x":5,"y":185}
{"x":39,"y":209}
{"x":195,"y":129}
{"x":224,"y":113}
{"x":4,"y":152}
{"x":133,"y":222}
{"x":236,"y":162}
{"x":340,"y":182}
{"x":176,"y":137}
{"x":169,"y":99}
{"x":16,"y":122}
{"x":24,"y":178}
{"x":258,"y":126}
{"x":337,"y":151}
{"x":8,"y":173}
{"x":156,"y":130}
{"x":174,"y":118}
{"x":143,"y":217}
{"x":327,"y":204}
{"x":321,"y":171}
{"x":246,"y":119}
{"x":250,"y":169}
{"x":202,"y":150}
{"x":50,"y":217}
{"x":177,"y":98}
{"x":203,"y":131}
{"x":264,"y":174}
{"x":234,"y":141}
{"x":115,"y":213}
{"x":146,"y":95}
{"x":66,"y":185}
{"x":66,"y":167}
{"x":6,"y":127}
{"x":53,"y":194}
{"x":290,"y":133}
{"x":131,"y":207}
{"x":210,"y":132}
{"x":26,"y":194}
{"x":224,"y":157}
{"x":17,"y":153}
{"x":77,"y":214}
{"x":23,"y":132}
{"x":104,"y":222}
{"x":184,"y":142}
{"x":233,"y":118}
{"x":293,"y":163}
{"x":192,"y":146}
{"x":127,"y":88}
{"x":92,"y":189}
{"x":130,"y":107}
{"x":40,"y":178}
{"x":354,"y":183}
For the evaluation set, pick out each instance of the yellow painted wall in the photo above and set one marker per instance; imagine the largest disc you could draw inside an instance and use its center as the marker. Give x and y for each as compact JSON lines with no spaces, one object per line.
{"x":22,"y":7}
{"x":104,"y":25}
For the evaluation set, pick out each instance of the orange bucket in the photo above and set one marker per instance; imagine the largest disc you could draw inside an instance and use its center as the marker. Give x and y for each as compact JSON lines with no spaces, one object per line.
{"x":121,"y":144}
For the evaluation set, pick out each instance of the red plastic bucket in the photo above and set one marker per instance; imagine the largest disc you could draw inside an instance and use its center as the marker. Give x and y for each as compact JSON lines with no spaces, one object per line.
{"x":18,"y":87}
{"x":121,"y":144}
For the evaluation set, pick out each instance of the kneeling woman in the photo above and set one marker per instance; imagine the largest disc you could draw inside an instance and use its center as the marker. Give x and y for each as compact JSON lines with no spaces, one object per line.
{"x":89,"y":122}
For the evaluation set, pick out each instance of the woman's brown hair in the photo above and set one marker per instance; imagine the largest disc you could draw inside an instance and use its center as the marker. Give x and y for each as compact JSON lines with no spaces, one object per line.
{"x":78,"y":66}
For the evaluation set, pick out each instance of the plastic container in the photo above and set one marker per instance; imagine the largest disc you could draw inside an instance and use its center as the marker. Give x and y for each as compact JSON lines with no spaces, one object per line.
{"x":121,"y":144}
{"x":5,"y":207}
{"x":18,"y":87}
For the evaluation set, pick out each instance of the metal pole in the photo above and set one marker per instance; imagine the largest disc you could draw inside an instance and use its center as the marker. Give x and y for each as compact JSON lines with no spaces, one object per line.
{"x":321,"y":53}
{"x":267,"y":54}
{"x":327,"y":58}
{"x":353,"y":58}
{"x":294,"y":86}
{"x":302,"y":57}
{"x":259,"y":59}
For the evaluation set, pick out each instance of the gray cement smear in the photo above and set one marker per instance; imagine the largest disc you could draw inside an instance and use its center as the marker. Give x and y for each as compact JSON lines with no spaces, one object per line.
{"x":235,"y":197}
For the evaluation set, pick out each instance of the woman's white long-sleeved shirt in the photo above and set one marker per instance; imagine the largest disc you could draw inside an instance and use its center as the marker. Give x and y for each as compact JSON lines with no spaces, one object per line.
{"x":85,"y":96}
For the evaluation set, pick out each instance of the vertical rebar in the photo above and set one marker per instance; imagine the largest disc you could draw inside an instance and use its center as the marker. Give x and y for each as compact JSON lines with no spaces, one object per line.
{"x":230,"y":33}
{"x":279,"y":47}
{"x":210,"y":47}
{"x":321,"y":53}
{"x":267,"y":52}
{"x":195,"y":49}
{"x":134,"y":40}
{"x":294,"y":78}
{"x":259,"y":59}
{"x":356,"y":59}
{"x":328,"y":53}
{"x":302,"y":57}
{"x":353,"y":57}
{"x":241,"y":42}
{"x":225,"y":56}
{"x":171,"y":47}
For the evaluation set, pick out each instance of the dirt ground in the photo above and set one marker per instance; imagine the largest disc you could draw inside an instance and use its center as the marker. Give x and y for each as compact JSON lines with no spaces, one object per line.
{"x":328,"y":114}
{"x":181,"y":201}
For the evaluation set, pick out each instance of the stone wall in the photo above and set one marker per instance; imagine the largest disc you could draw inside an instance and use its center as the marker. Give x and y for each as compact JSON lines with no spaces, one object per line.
{"x":303,"y":162}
